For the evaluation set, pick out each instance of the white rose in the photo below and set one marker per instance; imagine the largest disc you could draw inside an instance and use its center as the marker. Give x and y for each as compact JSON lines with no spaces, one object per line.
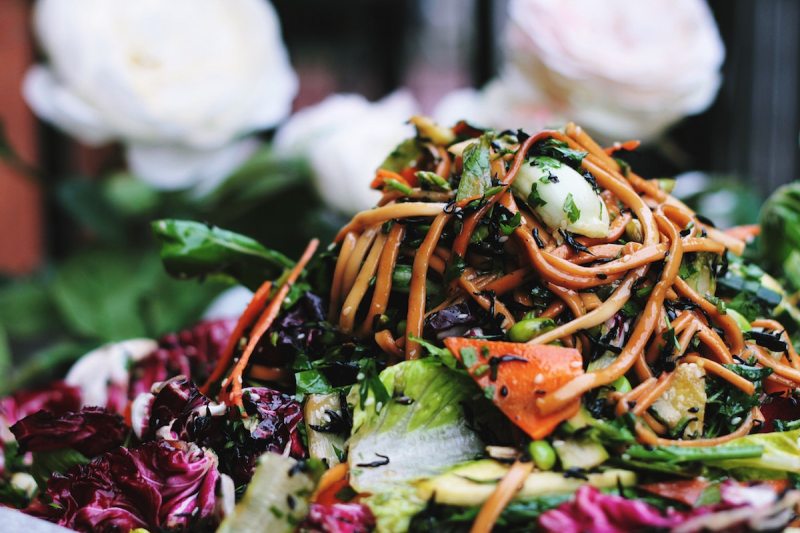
{"x":621,"y":68}
{"x":346,"y":138}
{"x":179,"y":82}
{"x":500,"y":105}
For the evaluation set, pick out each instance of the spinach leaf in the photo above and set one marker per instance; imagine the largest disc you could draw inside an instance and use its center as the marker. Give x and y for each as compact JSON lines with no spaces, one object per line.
{"x":194,"y":250}
{"x":476,"y":178}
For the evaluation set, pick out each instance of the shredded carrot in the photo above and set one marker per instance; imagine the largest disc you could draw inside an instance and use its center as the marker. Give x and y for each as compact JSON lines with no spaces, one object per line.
{"x":234,"y":381}
{"x":505,"y":491}
{"x":247,"y":318}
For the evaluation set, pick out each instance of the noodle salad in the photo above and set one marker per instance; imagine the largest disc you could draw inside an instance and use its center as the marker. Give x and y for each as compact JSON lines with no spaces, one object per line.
{"x":523,"y":335}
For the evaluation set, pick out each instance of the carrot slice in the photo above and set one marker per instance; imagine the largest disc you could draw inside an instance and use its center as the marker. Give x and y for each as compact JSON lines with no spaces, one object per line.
{"x":515,"y":374}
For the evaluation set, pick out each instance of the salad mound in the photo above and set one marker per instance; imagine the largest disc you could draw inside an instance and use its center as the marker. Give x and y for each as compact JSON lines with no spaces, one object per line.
{"x":523,"y":335}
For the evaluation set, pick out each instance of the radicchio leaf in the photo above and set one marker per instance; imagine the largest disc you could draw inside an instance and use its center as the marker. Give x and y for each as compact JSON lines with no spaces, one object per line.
{"x":159,"y":485}
{"x":57,"y":397}
{"x":177,"y":410}
{"x":272,"y":425}
{"x":90,"y":431}
{"x":191,"y":352}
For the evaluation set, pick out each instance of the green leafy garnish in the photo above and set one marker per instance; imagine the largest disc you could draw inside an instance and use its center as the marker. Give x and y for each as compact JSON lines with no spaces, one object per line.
{"x":534,"y":200}
{"x":194,"y":250}
{"x":432,"y":180}
{"x":570,"y":209}
{"x":397,"y":185}
{"x":545,"y":163}
{"x":403,"y":156}
{"x":561,"y":151}
{"x":508,"y":225}
{"x":476,"y":177}
{"x":728,"y":406}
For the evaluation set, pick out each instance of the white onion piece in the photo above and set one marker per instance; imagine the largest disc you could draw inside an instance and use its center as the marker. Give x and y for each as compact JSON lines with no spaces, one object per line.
{"x":592,"y":216}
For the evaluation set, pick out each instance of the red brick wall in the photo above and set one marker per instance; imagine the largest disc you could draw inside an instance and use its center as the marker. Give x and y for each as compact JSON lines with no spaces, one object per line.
{"x":20,"y":207}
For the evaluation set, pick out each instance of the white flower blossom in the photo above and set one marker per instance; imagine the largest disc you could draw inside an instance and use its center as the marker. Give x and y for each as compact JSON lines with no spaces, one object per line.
{"x":345,"y":138}
{"x":620,"y":68}
{"x":179,"y":82}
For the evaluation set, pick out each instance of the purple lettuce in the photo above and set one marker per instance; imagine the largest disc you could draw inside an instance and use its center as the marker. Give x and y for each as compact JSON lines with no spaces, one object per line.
{"x":192,"y":352}
{"x":338,"y":518}
{"x":91,"y":431}
{"x":159,"y":485}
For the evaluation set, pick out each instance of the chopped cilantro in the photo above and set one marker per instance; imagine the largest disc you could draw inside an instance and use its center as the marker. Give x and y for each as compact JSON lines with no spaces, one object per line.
{"x":545,"y":162}
{"x":561,"y":151}
{"x":469,"y":356}
{"x":571,"y":210}
{"x":507,"y":226}
{"x":534,"y":200}
{"x":489,"y":392}
{"x":480,"y":370}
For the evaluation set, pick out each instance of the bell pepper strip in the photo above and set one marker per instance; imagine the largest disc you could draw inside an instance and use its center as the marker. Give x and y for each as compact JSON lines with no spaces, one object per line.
{"x":514,"y":375}
{"x":686,"y":491}
{"x":382,"y":176}
{"x":744,"y":233}
{"x":233,"y":387}
{"x":251,"y":313}
{"x":330,"y":484}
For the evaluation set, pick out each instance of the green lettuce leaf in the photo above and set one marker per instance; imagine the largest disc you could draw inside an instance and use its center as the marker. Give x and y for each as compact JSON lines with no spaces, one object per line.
{"x":419,"y":432}
{"x":781,"y":455}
